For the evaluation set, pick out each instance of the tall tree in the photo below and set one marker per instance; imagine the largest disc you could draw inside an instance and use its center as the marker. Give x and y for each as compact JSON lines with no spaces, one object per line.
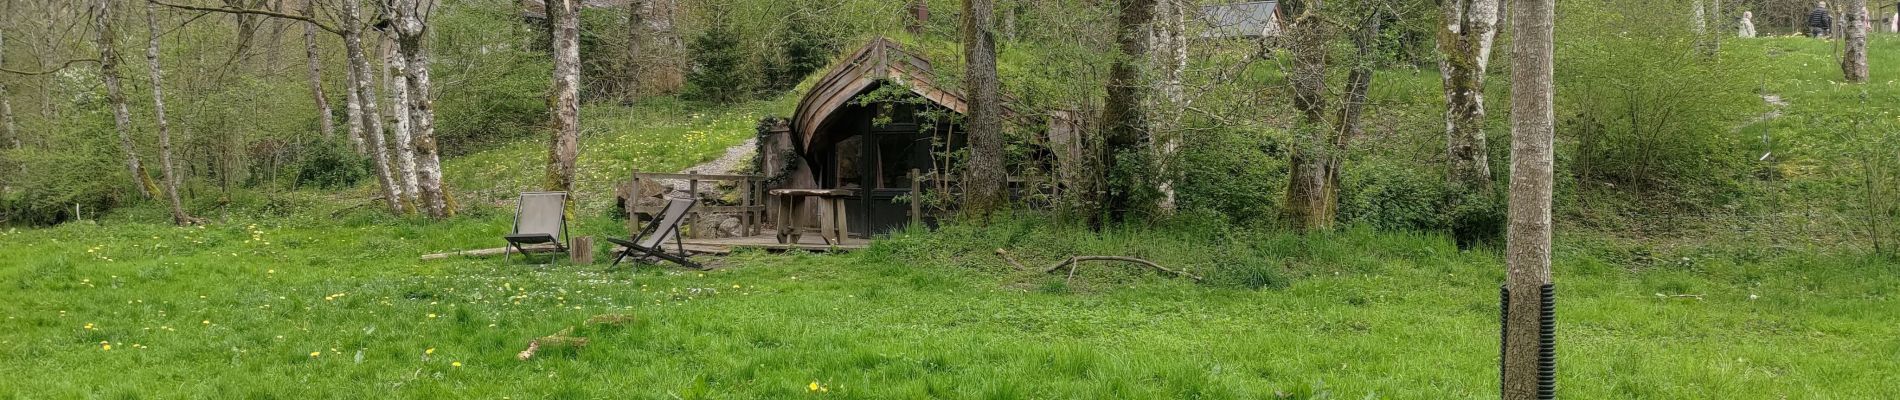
{"x":11,"y":131}
{"x":917,"y":16}
{"x":1169,"y":56}
{"x":1854,"y":59}
{"x":985,"y":190}
{"x":364,"y":105}
{"x":1125,"y":157}
{"x":326,"y":120}
{"x":412,"y":30}
{"x":1320,"y":145}
{"x":115,"y":94}
{"x":403,"y":134}
{"x":1528,"y":237}
{"x":564,"y":104}
{"x":658,"y":52}
{"x":164,"y":127}
{"x":1468,"y":29}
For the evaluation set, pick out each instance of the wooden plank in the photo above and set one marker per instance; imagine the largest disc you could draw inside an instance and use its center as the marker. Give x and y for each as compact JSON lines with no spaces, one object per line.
{"x":704,"y":209}
{"x":580,"y":250}
{"x":703,"y":177}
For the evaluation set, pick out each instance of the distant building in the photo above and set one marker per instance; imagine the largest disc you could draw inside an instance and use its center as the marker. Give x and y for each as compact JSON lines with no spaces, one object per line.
{"x":1247,"y":20}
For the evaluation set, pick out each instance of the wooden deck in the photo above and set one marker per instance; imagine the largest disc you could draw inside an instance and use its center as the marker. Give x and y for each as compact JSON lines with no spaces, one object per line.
{"x":810,"y":242}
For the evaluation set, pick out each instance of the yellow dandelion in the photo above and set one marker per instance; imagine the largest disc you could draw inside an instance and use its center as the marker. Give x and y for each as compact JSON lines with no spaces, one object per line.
{"x":206,"y":322}
{"x":431,"y":350}
{"x":812,"y":387}
{"x":431,"y":315}
{"x":89,"y":326}
{"x":457,"y":364}
{"x":314,"y":354}
{"x":105,"y":347}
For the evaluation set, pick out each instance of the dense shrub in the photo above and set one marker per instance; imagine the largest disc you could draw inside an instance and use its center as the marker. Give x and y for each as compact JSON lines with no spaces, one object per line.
{"x":1236,"y":171}
{"x":1650,"y":114}
{"x":331,"y":165}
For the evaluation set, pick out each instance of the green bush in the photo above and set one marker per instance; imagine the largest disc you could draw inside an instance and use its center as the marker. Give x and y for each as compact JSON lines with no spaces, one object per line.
{"x":331,"y":165}
{"x":1237,"y":172}
{"x":718,"y":74}
{"x":1393,"y":196}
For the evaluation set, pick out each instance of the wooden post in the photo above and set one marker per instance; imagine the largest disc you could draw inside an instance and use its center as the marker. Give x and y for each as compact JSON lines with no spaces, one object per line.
{"x":745,"y":201}
{"x":916,"y":198}
{"x":692,"y":191}
{"x":633,"y":203}
{"x":580,"y":250}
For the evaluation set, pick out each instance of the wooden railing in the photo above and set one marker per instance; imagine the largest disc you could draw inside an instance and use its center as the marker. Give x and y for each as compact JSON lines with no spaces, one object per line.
{"x":751,"y":207}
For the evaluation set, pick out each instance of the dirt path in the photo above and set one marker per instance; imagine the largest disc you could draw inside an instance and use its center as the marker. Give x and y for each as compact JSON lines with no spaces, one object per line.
{"x":736,"y":159}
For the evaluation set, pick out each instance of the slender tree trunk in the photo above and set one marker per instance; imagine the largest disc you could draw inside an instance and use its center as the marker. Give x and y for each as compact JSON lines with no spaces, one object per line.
{"x":365,"y":91}
{"x":164,"y":127}
{"x":1125,"y":156}
{"x":1169,"y":57}
{"x":564,"y":104}
{"x":1311,"y":196}
{"x":6,"y":105}
{"x":1854,"y":61}
{"x":917,"y":17}
{"x":986,"y":188}
{"x":1527,"y":250}
{"x":411,"y":30}
{"x":353,"y":108}
{"x":661,"y":62}
{"x":1469,"y":28}
{"x":404,"y":128}
{"x":326,"y":120}
{"x":115,"y":94}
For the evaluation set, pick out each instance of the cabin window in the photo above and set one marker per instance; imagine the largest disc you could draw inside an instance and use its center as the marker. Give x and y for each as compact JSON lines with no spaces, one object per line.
{"x":850,"y":157}
{"x":894,"y":159}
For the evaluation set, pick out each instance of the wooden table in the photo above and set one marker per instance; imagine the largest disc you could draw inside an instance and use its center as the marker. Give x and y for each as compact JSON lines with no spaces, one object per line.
{"x":832,"y":224}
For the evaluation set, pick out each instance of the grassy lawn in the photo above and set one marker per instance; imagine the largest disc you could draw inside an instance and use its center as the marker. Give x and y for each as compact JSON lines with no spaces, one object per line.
{"x":339,"y":308}
{"x":313,"y":295}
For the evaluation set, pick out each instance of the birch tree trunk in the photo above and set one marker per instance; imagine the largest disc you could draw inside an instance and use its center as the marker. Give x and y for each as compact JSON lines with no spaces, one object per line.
{"x":405,"y":148}
{"x":6,"y":106}
{"x":985,"y":190}
{"x":1311,"y":197}
{"x":411,"y":30}
{"x":564,"y":104}
{"x":1469,"y":28}
{"x":1169,"y":57}
{"x":164,"y":127}
{"x":326,"y":120}
{"x":353,"y":108}
{"x":1124,"y":116}
{"x":115,"y":94}
{"x":1854,"y":59}
{"x":1527,"y":250}
{"x":371,"y":118}
{"x":661,"y":54}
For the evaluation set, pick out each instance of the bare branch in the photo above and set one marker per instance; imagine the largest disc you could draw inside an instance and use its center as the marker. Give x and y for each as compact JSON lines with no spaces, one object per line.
{"x":68,"y":63}
{"x":267,"y":13}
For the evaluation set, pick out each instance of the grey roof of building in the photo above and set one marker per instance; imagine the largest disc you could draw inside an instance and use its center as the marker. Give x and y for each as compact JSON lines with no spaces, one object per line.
{"x":1246,"y":19}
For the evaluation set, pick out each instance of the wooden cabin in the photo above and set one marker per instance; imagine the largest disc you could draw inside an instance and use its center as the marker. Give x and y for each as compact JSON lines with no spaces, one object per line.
{"x":848,"y":141}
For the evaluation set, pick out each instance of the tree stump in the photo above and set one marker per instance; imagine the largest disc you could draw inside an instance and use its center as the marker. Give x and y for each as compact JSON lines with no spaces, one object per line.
{"x":580,"y":250}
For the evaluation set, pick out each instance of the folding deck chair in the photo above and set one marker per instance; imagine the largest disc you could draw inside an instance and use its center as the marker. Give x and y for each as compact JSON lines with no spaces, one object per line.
{"x":650,"y":242}
{"x":540,"y":217}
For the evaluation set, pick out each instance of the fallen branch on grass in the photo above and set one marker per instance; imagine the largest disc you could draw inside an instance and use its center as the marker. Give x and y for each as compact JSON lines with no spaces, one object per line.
{"x":545,"y":248}
{"x":1679,"y":296}
{"x":1012,"y":262}
{"x":1071,"y":262}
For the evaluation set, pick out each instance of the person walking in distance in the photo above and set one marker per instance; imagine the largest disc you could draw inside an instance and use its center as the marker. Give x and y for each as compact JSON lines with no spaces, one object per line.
{"x":1819,"y":21}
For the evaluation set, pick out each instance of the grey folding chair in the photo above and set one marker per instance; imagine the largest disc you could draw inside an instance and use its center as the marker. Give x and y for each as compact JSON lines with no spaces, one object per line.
{"x":540,"y":217}
{"x":650,"y":242}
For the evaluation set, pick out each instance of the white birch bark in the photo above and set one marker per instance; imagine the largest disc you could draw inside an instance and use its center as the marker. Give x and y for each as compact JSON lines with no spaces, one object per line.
{"x":411,"y":31}
{"x":1168,"y":48}
{"x":1854,"y":59}
{"x":6,"y":106}
{"x":115,"y":94}
{"x":326,"y":120}
{"x":405,"y":147}
{"x":1528,"y":236}
{"x":371,"y":118}
{"x":1465,"y":38}
{"x":164,"y":127}
{"x":564,"y":104}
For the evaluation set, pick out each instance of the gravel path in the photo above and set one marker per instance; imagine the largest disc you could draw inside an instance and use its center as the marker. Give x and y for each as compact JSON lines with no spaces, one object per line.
{"x":736,"y":159}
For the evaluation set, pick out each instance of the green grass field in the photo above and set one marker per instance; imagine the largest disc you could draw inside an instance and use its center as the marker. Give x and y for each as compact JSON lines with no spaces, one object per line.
{"x":314,"y":295}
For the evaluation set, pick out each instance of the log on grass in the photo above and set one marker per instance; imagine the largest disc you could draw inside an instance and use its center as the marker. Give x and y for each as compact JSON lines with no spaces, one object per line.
{"x":546,"y":248}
